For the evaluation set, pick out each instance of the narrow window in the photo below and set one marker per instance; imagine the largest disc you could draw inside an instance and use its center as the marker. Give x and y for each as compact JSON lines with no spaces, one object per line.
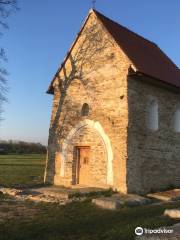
{"x":152,"y":114}
{"x":85,"y":110}
{"x":176,"y":120}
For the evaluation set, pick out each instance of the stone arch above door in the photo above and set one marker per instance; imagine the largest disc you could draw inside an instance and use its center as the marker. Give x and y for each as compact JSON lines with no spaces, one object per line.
{"x":105,"y":139}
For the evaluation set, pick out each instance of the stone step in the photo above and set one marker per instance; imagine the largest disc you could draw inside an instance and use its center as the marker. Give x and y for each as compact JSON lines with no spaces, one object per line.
{"x":107,"y":203}
{"x":116,"y":201}
{"x":159,"y":197}
{"x":68,"y":193}
{"x":171,"y":195}
{"x":172,"y":213}
{"x":55,"y":194}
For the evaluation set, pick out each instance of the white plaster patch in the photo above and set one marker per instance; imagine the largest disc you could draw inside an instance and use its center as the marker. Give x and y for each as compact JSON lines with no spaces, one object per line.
{"x":100,"y":131}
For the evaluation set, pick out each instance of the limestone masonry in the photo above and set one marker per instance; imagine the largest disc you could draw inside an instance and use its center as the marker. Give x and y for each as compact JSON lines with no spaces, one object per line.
{"x":115,"y":115}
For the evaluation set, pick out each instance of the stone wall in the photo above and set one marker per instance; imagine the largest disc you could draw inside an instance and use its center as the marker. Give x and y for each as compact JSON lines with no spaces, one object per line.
{"x":97,"y":163}
{"x":153,"y":156}
{"x":103,"y":86}
{"x":142,"y":160}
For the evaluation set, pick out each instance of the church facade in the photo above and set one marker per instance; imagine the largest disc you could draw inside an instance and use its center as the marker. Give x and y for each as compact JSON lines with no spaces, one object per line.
{"x":116,"y":112}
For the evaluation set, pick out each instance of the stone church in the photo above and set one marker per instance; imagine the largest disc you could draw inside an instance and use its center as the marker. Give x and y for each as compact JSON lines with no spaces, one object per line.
{"x":116,"y":112}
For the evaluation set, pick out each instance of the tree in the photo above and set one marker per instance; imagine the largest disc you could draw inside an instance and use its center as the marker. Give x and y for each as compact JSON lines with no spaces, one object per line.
{"x":6,"y":8}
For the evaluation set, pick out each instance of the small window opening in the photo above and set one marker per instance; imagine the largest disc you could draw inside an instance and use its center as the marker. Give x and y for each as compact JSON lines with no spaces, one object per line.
{"x":85,"y":110}
{"x":176,"y":120}
{"x":152,"y":115}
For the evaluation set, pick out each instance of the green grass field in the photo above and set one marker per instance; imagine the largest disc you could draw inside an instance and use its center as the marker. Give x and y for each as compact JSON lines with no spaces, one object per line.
{"x":21,"y":170}
{"x":83,"y":221}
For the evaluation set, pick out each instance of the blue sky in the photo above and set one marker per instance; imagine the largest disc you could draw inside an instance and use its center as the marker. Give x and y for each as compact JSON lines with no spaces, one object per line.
{"x":39,"y":37}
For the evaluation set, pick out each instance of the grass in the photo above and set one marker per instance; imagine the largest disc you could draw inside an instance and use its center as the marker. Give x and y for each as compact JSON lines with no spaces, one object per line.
{"x":105,"y":193}
{"x":21,"y":170}
{"x":82,"y":221}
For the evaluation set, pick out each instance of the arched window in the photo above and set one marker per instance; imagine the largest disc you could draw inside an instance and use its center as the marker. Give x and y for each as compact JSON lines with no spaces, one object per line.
{"x":176,"y":120}
{"x":152,"y":114}
{"x":85,"y":110}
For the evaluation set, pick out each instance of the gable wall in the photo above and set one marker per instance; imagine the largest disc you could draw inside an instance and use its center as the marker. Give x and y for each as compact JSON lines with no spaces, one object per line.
{"x":153,"y":156}
{"x":104,"y":88}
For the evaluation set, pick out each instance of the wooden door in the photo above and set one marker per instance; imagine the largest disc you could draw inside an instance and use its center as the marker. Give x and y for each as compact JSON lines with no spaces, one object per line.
{"x":83,"y":169}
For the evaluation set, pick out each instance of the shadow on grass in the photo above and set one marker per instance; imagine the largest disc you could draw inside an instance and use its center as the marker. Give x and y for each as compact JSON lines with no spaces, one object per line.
{"x":84,"y":221}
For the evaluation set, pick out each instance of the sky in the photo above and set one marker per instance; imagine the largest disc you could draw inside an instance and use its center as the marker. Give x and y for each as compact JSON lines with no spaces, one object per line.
{"x":40,"y":35}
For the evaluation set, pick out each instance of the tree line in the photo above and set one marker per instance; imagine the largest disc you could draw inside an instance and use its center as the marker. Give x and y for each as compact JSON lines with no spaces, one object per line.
{"x":20,"y":147}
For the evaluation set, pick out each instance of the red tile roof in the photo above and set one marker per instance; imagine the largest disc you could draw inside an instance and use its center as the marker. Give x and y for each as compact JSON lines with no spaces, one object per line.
{"x":146,"y":56}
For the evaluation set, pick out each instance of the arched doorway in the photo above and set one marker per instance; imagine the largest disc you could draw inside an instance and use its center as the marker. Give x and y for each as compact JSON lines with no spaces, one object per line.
{"x":90,"y":135}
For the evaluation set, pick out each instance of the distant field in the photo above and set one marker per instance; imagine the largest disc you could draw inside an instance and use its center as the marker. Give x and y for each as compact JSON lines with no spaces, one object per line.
{"x":21,"y":170}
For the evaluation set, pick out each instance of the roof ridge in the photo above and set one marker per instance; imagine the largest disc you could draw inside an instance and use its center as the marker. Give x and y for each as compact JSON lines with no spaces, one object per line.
{"x":127,"y":29}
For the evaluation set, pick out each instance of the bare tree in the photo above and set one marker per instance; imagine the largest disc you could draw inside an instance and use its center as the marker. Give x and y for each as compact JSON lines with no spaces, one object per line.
{"x":6,"y":8}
